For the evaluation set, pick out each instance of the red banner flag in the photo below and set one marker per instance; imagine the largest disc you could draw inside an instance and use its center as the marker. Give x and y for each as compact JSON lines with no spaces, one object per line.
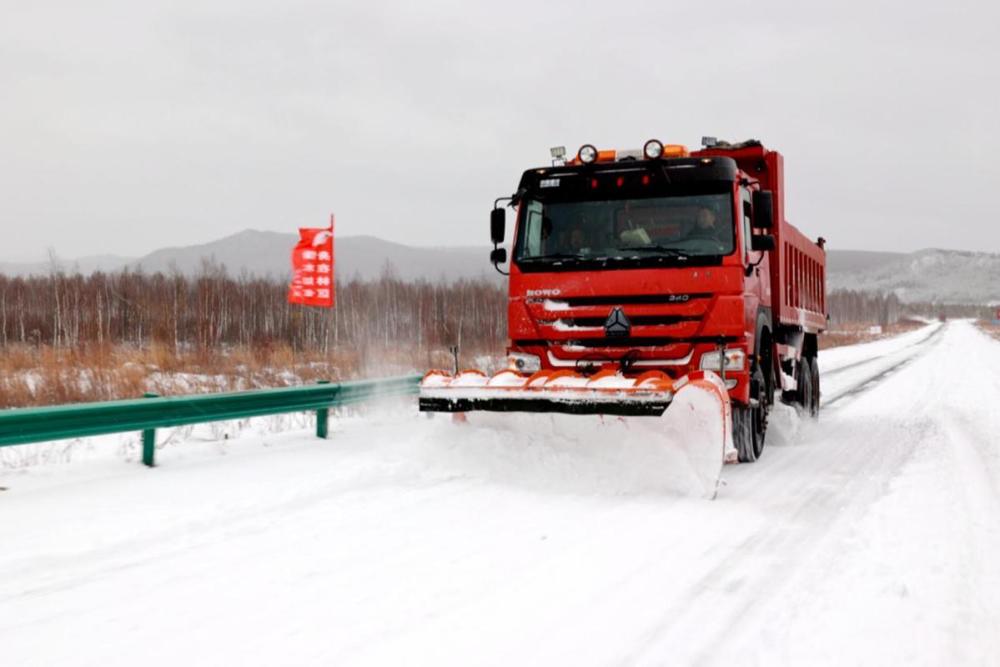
{"x":312,"y":268}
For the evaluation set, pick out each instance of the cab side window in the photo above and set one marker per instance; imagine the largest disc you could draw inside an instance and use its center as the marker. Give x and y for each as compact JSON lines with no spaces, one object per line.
{"x":533,"y":231}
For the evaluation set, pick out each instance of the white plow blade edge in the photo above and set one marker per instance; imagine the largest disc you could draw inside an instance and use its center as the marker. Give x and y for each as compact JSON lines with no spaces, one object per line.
{"x":702,"y":416}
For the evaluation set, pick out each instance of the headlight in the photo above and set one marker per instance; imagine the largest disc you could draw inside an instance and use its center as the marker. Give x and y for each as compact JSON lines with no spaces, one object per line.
{"x":587,"y":154}
{"x":524,"y":363}
{"x":735,"y":361}
{"x":653,"y":149}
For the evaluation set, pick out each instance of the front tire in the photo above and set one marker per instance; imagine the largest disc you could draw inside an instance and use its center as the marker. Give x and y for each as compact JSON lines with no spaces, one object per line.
{"x":750,"y":421}
{"x":749,"y":440}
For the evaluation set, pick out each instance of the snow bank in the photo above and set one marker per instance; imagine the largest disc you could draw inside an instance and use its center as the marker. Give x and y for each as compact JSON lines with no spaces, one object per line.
{"x":677,"y":453}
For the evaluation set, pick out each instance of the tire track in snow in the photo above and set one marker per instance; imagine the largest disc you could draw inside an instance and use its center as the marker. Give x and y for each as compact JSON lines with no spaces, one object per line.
{"x":803,"y":509}
{"x":748,"y":575}
{"x":911,"y":561}
{"x":854,"y":364}
{"x":870,"y":380}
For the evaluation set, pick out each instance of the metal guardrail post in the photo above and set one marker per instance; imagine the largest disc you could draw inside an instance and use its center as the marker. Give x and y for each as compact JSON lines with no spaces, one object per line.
{"x":322,"y":418}
{"x":149,"y":439}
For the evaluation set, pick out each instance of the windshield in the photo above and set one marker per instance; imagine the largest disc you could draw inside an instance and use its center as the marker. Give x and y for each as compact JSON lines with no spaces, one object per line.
{"x":658,"y":227}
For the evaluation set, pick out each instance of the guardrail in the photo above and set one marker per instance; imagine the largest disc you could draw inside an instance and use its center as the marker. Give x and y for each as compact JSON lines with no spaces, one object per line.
{"x":26,"y":425}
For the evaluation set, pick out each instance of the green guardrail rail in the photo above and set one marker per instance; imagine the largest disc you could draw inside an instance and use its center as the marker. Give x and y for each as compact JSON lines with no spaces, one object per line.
{"x":26,"y":425}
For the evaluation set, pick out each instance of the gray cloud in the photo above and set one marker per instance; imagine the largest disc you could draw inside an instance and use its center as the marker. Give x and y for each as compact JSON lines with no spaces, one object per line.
{"x":130,"y":126}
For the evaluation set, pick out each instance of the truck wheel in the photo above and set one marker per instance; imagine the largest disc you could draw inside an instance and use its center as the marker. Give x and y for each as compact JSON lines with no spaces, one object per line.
{"x":807,"y":396}
{"x":805,"y":391}
{"x":750,"y":422}
{"x":814,"y":377}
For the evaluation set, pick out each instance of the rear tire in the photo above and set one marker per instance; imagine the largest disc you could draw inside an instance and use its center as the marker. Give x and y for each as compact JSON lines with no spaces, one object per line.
{"x":805,"y":391}
{"x":807,"y":395}
{"x":814,"y":387}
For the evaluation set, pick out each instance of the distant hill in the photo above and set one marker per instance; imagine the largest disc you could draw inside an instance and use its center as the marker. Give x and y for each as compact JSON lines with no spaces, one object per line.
{"x":267,"y":254}
{"x":928,"y":275}
{"x":84,"y":265}
{"x":851,"y":261}
{"x":948,"y":276}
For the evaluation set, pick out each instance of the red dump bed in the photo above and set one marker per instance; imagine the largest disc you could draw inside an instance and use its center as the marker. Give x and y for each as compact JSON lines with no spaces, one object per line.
{"x":798,"y":280}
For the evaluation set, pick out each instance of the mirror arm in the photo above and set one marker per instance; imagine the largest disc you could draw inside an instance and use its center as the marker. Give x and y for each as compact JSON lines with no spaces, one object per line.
{"x":496,"y":265}
{"x":512,"y":200}
{"x":750,"y":267}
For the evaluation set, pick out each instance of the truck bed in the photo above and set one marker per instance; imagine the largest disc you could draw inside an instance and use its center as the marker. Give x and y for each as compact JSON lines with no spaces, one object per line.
{"x":798,"y":280}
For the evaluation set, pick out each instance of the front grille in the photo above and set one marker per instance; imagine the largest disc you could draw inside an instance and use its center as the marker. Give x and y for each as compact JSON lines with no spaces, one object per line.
{"x":646,"y":341}
{"x":636,"y":320}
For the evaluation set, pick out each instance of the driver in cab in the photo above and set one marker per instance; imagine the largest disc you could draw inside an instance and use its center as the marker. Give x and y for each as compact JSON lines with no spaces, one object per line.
{"x":706,"y":225}
{"x":709,"y":231}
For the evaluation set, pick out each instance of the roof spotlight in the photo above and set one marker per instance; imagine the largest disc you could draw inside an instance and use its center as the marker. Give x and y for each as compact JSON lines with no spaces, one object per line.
{"x":558,"y":154}
{"x":652,"y":149}
{"x":587,"y":154}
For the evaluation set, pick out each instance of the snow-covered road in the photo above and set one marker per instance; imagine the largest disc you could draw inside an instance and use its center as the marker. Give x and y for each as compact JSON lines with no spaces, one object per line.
{"x":870,"y":537}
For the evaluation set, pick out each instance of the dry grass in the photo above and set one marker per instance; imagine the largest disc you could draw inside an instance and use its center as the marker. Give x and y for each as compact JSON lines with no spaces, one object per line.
{"x":854,"y":333}
{"x":42,"y":375}
{"x":31,"y":376}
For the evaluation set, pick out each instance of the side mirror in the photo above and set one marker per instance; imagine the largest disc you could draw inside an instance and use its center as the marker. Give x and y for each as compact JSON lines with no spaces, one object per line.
{"x":763,"y":209}
{"x":498,"y":256}
{"x":497,"y":224}
{"x":763,"y":242}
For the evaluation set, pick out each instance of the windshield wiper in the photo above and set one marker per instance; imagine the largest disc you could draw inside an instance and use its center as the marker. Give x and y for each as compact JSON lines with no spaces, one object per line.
{"x":554,"y":256}
{"x":652,"y":247}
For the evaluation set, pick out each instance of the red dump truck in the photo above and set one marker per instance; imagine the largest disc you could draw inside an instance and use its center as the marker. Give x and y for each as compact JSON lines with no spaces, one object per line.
{"x":636,"y":272}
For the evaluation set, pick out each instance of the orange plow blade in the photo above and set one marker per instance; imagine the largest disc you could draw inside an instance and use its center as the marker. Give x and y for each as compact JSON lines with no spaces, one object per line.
{"x":607,"y":392}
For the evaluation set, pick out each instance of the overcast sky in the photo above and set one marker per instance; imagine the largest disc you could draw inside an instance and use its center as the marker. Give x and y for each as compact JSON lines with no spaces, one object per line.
{"x":128,"y":126}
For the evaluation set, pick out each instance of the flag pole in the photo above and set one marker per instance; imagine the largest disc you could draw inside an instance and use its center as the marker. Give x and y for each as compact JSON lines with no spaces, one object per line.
{"x":333,"y":280}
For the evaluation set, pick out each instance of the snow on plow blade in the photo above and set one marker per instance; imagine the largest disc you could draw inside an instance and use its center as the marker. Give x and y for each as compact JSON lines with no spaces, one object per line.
{"x":699,"y":421}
